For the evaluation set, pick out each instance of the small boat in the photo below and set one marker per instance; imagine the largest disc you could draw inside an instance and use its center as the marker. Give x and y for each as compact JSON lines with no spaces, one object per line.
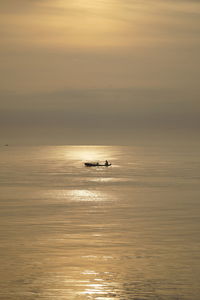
{"x":96,"y":164}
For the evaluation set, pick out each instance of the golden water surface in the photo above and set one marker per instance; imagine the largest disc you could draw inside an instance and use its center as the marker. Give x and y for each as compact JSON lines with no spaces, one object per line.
{"x":130,"y":231}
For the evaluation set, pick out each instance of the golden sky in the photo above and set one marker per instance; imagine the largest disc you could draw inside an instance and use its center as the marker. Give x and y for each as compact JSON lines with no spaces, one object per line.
{"x":64,"y":46}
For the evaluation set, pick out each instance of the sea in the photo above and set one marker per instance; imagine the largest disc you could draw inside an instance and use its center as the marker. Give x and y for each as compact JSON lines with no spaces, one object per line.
{"x":130,"y":231}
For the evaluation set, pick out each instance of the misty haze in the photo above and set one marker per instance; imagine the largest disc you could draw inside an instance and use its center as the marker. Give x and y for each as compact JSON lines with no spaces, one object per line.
{"x":99,"y":154}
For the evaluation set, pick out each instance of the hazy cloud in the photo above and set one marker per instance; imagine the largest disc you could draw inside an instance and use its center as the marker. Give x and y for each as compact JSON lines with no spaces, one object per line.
{"x":110,"y":67}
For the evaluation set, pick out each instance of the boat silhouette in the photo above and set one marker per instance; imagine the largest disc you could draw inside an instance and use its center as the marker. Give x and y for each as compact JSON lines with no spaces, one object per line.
{"x":96,"y":164}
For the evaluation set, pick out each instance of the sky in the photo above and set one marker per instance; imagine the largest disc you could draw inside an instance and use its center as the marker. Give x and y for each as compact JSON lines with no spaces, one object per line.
{"x":99,"y":72}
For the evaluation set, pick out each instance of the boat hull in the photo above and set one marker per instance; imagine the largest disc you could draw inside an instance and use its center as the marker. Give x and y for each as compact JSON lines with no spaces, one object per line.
{"x":96,"y":165}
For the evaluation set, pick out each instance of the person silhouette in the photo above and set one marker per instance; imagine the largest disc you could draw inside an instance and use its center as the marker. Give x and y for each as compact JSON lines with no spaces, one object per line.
{"x":106,"y":163}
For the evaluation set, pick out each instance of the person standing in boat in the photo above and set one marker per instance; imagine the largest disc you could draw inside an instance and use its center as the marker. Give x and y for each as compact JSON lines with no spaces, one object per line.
{"x":106,"y":163}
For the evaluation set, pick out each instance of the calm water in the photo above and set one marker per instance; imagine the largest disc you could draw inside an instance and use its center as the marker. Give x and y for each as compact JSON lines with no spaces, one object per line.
{"x":130,"y":231}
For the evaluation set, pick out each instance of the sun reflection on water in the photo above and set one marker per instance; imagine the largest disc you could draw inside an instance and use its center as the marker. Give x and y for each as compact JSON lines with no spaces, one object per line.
{"x":97,"y":287}
{"x":90,"y":153}
{"x":86,"y":195}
